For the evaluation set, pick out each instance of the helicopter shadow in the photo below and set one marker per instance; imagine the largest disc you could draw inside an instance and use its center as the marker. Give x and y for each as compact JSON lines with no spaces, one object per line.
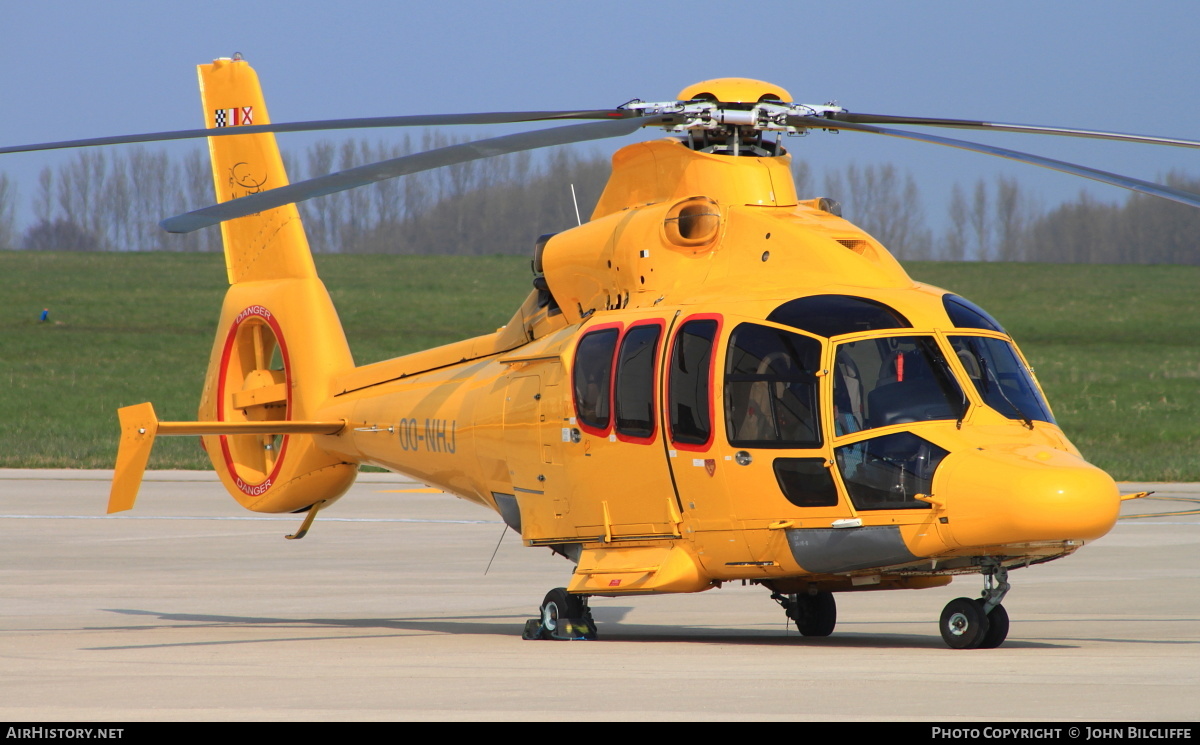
{"x":493,"y":625}
{"x":790,"y":638}
{"x":612,"y":630}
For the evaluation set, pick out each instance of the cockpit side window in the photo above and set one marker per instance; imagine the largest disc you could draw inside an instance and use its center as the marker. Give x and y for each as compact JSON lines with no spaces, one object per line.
{"x":893,"y":380}
{"x":887,"y":472}
{"x":771,"y":388}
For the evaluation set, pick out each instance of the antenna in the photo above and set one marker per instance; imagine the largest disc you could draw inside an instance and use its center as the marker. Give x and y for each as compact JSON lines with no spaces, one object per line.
{"x":576,"y":201}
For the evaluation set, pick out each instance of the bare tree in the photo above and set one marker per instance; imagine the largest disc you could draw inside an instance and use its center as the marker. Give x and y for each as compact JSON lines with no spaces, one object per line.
{"x":43,"y":204}
{"x":981,"y":222}
{"x":993,"y":224}
{"x":803,"y":176}
{"x":319,"y":214}
{"x":886,"y":205}
{"x":1154,"y":231}
{"x":1015,"y":213}
{"x":116,"y":205}
{"x":954,"y":242}
{"x":197,"y":191}
{"x":68,"y":209}
{"x":8,"y":213}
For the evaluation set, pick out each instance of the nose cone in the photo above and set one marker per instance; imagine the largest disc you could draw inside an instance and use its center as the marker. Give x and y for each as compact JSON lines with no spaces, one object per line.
{"x":996,"y":496}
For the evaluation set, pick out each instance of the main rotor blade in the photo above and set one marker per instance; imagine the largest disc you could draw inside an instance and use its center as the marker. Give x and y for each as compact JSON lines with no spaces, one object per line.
{"x":423,"y":120}
{"x":402,"y":166}
{"x":1113,"y":179}
{"x":1002,"y":127}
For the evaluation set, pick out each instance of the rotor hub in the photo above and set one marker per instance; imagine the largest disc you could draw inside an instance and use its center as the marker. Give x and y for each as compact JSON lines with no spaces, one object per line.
{"x":735,"y":90}
{"x":730,"y":115}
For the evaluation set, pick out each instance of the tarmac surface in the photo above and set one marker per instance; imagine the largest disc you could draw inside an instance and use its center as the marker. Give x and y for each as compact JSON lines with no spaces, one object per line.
{"x":191,"y":608}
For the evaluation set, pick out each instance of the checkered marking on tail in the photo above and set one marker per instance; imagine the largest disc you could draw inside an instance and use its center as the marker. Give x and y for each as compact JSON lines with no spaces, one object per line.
{"x":233,"y":117}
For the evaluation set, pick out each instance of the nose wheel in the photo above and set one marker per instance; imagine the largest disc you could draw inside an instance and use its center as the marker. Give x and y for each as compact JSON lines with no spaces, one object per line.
{"x":963,"y":624}
{"x":981,"y":623}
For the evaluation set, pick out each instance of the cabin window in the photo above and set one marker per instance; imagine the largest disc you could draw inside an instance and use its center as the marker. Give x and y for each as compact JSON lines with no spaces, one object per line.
{"x":592,"y":376}
{"x":635,"y":381}
{"x":893,"y":380}
{"x":771,"y":388}
{"x":1003,"y":381}
{"x":689,"y":389}
{"x":831,"y":315}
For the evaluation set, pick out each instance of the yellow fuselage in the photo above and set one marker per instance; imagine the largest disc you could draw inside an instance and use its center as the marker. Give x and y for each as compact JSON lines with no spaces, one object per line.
{"x":681,"y":236}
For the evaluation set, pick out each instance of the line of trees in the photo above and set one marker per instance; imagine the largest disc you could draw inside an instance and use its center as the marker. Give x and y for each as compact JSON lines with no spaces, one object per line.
{"x":492,"y":206}
{"x":113,"y":200}
{"x":1000,"y":221}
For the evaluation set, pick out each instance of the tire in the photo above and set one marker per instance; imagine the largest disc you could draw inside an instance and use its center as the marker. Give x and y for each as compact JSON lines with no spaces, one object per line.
{"x":997,"y":630}
{"x":815,"y":615}
{"x":964,"y":625}
{"x":559,"y":604}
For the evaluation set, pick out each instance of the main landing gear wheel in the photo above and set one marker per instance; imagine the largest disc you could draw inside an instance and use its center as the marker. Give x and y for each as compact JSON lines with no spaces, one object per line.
{"x":815,"y":615}
{"x":964,"y":624}
{"x":561,"y":616}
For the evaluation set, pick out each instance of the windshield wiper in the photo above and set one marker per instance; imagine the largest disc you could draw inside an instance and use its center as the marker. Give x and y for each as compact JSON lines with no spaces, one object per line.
{"x":987,"y":373}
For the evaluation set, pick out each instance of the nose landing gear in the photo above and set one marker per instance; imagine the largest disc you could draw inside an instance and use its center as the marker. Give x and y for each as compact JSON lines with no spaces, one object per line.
{"x":981,"y":623}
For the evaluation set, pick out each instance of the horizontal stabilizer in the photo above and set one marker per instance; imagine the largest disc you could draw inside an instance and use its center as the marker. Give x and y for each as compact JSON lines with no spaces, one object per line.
{"x":140,"y":425}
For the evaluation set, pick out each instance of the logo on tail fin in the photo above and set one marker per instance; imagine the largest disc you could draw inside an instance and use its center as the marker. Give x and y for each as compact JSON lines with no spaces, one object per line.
{"x":243,"y":182}
{"x":234,"y":117}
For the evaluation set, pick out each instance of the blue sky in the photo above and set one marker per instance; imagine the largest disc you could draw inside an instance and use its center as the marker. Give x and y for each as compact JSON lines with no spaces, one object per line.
{"x":79,"y":69}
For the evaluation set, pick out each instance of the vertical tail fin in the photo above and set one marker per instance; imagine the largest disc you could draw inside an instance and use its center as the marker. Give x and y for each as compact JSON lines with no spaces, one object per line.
{"x":279,"y":343}
{"x":266,"y":245}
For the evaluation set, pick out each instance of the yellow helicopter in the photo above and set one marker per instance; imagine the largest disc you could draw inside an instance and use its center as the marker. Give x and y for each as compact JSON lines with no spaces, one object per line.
{"x":710,"y":380}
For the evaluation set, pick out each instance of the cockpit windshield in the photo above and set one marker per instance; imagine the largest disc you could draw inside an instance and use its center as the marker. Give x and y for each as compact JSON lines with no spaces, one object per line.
{"x":893,"y":380}
{"x":1001,"y":377}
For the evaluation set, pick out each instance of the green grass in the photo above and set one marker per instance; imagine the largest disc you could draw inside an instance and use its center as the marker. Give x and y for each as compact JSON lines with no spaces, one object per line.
{"x":1115,"y":346}
{"x":127,"y":328}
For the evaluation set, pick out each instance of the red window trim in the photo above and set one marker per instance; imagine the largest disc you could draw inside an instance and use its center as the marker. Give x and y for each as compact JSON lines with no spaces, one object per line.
{"x":712,"y":379}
